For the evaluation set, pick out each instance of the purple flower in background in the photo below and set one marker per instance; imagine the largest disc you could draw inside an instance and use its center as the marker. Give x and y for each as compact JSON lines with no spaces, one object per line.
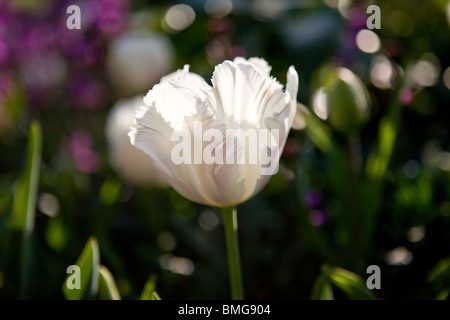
{"x":78,"y":148}
{"x":356,"y":18}
{"x":355,"y":21}
{"x":108,"y":15}
{"x":6,"y":84}
{"x":318,"y":217}
{"x":291,"y":148}
{"x":88,"y":93}
{"x":406,"y":96}
{"x":87,"y":54}
{"x":43,"y":53}
{"x":313,"y":198}
{"x":4,"y":53}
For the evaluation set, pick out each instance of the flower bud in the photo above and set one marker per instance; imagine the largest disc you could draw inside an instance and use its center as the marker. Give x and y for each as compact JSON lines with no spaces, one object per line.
{"x":347,"y":101}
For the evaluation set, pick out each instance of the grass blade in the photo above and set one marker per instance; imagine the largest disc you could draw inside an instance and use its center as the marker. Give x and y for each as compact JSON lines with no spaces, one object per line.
{"x":18,"y":249}
{"x":88,"y":262}
{"x":107,"y":288}
{"x":322,"y":289}
{"x":349,"y":282}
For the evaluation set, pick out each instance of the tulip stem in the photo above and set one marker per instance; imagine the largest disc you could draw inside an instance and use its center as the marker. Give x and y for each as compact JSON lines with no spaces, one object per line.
{"x":234,"y":262}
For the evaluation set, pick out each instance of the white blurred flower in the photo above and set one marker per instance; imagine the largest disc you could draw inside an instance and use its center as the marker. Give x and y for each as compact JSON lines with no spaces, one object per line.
{"x":136,"y":61}
{"x":243,"y":97}
{"x":131,"y":163}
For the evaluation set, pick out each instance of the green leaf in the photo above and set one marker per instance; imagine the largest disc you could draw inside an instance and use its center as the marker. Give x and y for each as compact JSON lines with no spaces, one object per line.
{"x":56,"y":234}
{"x":349,"y":282}
{"x":322,"y":289}
{"x":16,"y":102}
{"x":441,"y":271}
{"x":155,"y":296}
{"x":443,"y":295}
{"x":378,"y":161}
{"x":107,"y":288}
{"x":88,"y":263}
{"x":22,"y":217}
{"x":376,"y":167}
{"x":19,"y":254}
{"x":439,"y":277}
{"x":149,"y":292}
{"x":319,"y":133}
{"x":110,"y":191}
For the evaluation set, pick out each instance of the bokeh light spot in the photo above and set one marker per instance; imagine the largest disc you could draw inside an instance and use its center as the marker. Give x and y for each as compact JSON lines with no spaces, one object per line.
{"x":411,"y":169}
{"x":381,"y":72}
{"x":208,"y":220}
{"x":48,"y":204}
{"x":368,"y":41}
{"x":446,"y":77}
{"x":399,"y":256}
{"x":218,"y":8}
{"x":178,"y":18}
{"x":177,"y":265}
{"x":416,"y":234}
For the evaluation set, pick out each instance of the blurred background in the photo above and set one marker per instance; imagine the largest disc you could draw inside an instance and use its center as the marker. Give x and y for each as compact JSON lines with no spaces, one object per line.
{"x":363,"y":180}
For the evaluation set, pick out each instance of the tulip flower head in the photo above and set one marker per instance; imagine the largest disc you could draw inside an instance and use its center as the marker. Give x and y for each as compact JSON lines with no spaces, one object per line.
{"x":218,"y":145}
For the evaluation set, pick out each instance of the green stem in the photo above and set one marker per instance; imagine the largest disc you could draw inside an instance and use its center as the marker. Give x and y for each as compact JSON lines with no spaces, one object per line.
{"x":234,"y":262}
{"x":354,"y":201}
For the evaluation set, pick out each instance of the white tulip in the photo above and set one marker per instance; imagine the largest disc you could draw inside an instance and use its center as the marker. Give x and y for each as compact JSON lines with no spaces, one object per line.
{"x":136,"y":61}
{"x":129,"y":162}
{"x":243,"y":97}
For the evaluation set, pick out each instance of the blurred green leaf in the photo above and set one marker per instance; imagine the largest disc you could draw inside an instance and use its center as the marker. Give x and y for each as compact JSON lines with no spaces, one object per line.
{"x":376,"y":167}
{"x":22,"y":217}
{"x":443,"y":295}
{"x":378,"y":161}
{"x":149,"y":293}
{"x":441,"y":271}
{"x":339,"y":173}
{"x":107,"y":288}
{"x":439,"y":277}
{"x":88,"y":263}
{"x":16,"y":102}
{"x":110,"y":191}
{"x":56,"y":234}
{"x":18,"y":247}
{"x":319,"y":133}
{"x":349,"y":282}
{"x":155,"y":296}
{"x":322,"y":289}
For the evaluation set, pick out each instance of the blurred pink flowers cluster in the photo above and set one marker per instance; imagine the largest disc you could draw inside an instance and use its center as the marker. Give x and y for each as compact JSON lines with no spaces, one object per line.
{"x":79,"y":148}
{"x":39,"y":52}
{"x":56,"y":69}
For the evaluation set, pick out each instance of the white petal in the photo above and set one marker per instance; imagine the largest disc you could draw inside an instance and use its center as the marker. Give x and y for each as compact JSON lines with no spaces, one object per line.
{"x":166,"y":107}
{"x":172,"y":101}
{"x":259,"y":63}
{"x":284,"y":119}
{"x":292,"y":89}
{"x":244,"y":93}
{"x":187,"y":79}
{"x":217,"y":184}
